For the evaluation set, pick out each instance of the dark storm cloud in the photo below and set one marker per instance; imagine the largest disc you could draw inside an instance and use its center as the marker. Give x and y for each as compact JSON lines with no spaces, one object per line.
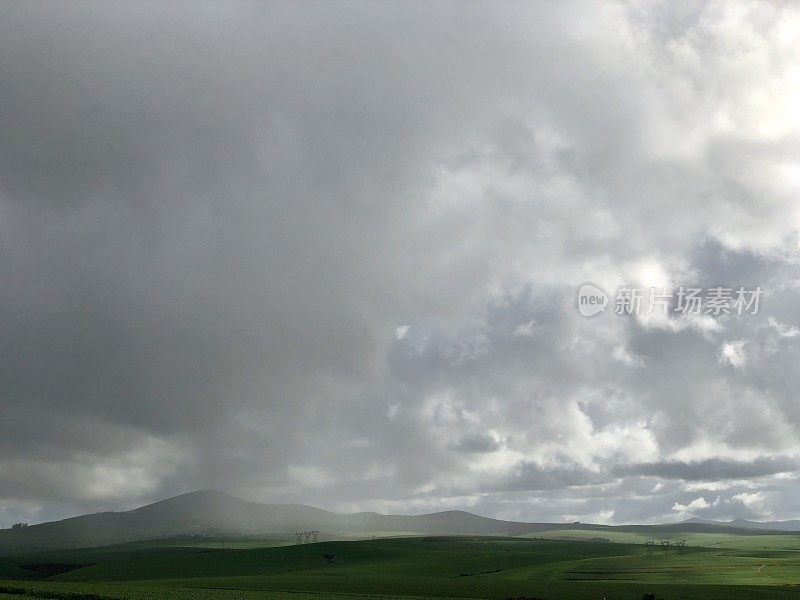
{"x":533,"y":477}
{"x":198,"y":224}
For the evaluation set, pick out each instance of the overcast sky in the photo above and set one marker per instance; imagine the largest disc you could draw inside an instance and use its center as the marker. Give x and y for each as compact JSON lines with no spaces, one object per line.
{"x":329,"y":253}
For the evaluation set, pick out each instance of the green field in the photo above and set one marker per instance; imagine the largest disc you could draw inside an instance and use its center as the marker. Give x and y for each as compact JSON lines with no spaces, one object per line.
{"x":712,"y":566}
{"x":778,"y":541}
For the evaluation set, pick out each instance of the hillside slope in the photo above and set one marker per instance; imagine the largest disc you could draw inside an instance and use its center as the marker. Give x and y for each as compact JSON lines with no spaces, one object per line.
{"x":216,"y":513}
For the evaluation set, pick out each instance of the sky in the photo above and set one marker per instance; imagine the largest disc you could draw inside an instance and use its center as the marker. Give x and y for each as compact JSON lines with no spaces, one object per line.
{"x":330,"y":253}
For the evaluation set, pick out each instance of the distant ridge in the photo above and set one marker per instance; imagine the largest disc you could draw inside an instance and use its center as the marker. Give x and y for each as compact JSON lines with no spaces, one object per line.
{"x":210,"y":512}
{"x":790,"y":525}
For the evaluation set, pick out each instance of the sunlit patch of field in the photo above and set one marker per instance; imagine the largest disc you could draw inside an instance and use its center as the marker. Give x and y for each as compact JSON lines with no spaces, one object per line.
{"x":755,"y":542}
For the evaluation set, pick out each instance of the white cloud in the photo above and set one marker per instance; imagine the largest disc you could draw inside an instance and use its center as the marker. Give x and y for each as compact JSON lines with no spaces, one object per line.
{"x":698,"y":504}
{"x":733,"y":353}
{"x":783,"y":330}
{"x":754,"y":501}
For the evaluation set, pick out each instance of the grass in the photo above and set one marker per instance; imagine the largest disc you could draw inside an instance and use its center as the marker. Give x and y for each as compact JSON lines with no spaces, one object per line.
{"x":729,"y":567}
{"x":160,"y":592}
{"x":767,"y":542}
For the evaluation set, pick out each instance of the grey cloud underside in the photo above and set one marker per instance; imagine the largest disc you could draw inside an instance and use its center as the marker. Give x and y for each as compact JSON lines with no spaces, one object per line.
{"x":533,"y":477}
{"x":328,"y":254}
{"x":715,"y":469}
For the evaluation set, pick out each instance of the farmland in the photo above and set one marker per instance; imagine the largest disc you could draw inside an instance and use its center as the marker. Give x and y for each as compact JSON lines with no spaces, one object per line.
{"x":727,"y":566}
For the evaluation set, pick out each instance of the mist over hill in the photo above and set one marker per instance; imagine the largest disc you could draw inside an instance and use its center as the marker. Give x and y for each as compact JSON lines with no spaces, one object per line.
{"x":790,"y":525}
{"x":214,"y":513}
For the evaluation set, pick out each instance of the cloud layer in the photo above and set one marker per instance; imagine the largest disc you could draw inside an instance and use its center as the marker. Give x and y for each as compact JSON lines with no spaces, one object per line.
{"x":329,"y":254}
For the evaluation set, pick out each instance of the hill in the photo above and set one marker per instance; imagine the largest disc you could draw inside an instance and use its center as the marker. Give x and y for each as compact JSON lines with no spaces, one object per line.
{"x":205,"y":513}
{"x":216,"y":513}
{"x":791,"y":525}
